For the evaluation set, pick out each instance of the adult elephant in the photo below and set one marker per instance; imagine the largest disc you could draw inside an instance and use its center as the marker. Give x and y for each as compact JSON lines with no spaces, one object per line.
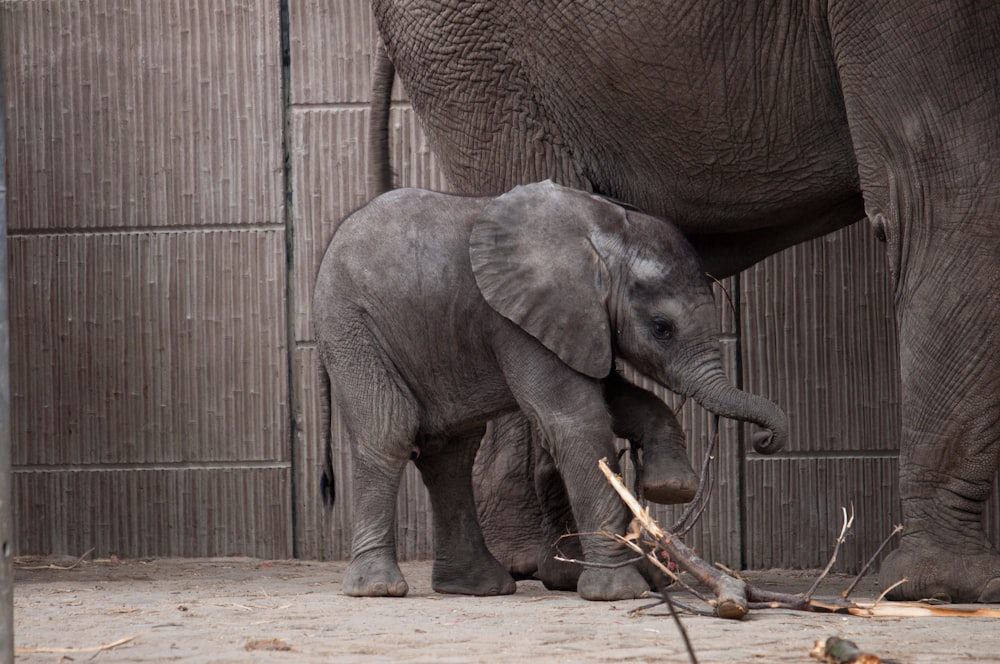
{"x":757,"y":125}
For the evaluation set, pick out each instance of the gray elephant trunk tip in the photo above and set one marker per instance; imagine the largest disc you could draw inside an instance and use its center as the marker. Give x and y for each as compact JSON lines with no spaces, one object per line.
{"x":722,"y":398}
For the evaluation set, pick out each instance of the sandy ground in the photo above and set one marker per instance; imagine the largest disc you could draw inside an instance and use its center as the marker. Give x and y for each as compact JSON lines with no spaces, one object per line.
{"x":245,"y":610}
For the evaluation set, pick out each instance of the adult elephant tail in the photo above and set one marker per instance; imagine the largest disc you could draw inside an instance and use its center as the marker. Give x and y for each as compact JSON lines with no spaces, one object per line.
{"x":379,"y":166}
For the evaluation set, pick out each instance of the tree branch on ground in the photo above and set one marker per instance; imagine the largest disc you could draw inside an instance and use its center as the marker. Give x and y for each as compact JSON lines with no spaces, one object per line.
{"x":733,"y":597}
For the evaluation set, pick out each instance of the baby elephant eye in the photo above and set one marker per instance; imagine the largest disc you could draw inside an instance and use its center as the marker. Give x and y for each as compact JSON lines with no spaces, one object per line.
{"x":662,"y":328}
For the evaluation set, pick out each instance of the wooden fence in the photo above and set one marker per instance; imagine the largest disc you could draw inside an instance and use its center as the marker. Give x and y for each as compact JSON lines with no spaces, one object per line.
{"x":172,"y":184}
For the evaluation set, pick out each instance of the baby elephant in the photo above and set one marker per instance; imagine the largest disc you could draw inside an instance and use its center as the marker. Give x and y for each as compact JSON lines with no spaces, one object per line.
{"x":436,"y":313}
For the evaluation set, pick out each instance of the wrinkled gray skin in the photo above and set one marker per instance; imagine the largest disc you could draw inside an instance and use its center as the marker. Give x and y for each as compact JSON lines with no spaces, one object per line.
{"x":757,"y":125}
{"x":434,"y":314}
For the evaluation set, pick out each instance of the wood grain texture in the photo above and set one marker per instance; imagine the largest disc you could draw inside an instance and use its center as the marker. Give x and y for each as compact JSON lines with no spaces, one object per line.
{"x":149,"y":277}
{"x":134,"y":114}
{"x":819,"y":338}
{"x":148,"y":347}
{"x":155,"y":511}
{"x":794,"y":509}
{"x":331,"y":51}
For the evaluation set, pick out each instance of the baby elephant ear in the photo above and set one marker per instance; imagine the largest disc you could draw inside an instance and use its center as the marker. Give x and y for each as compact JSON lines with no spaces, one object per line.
{"x":536,"y":265}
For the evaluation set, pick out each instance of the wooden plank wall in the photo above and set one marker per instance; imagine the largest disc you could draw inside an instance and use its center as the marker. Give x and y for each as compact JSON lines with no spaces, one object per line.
{"x":147,"y":253}
{"x":818,"y":337}
{"x":164,"y":370}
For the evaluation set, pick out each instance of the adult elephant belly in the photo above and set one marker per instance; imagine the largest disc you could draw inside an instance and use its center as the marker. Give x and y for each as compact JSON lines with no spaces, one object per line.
{"x":630,"y":103}
{"x":755,"y":126}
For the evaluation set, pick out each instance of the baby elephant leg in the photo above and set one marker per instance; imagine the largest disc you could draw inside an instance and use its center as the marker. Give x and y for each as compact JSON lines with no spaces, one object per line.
{"x":373,"y":570}
{"x":642,"y":418}
{"x":462,"y":563}
{"x":380,"y":424}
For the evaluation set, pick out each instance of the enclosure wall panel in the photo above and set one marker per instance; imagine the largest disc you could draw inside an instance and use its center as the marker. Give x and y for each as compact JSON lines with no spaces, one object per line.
{"x":794,"y":510}
{"x":819,"y":338}
{"x":149,"y":511}
{"x":123,"y":113}
{"x":149,"y":276}
{"x":332,"y":48}
{"x":149,"y":347}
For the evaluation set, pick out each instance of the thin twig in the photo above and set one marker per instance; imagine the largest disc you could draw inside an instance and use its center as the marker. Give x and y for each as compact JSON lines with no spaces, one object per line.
{"x":888,"y":590}
{"x":106,"y":646}
{"x":58,"y":567}
{"x":680,"y":406}
{"x":673,"y":611}
{"x":848,"y":522}
{"x":563,"y":558}
{"x":699,"y":503}
{"x":871,"y":561}
{"x":680,"y":605}
{"x":625,"y":563}
{"x":725,"y":291}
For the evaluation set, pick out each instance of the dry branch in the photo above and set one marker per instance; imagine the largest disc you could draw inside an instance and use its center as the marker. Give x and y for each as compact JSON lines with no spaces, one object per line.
{"x":19,"y":565}
{"x":735,"y":597}
{"x":730,"y":593}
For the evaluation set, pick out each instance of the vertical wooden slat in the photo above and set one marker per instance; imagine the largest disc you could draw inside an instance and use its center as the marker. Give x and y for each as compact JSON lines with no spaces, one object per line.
{"x":126,"y":114}
{"x":6,"y":490}
{"x":151,"y":382}
{"x":149,"y":347}
{"x":820,"y":339}
{"x":331,"y":50}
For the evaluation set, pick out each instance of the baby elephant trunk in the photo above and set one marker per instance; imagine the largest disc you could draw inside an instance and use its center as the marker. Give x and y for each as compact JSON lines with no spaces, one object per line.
{"x":715,"y":393}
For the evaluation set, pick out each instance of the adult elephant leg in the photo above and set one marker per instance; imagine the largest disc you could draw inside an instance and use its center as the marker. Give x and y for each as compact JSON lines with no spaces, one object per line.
{"x":508,"y":509}
{"x":951,"y":436}
{"x":462,"y":563}
{"x":927,"y":140}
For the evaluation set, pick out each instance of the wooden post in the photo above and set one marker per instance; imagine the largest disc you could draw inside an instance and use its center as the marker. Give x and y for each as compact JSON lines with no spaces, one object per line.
{"x":6,"y":493}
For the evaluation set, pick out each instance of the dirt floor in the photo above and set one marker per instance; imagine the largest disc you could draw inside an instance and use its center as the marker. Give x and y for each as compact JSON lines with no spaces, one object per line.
{"x":246,"y":610}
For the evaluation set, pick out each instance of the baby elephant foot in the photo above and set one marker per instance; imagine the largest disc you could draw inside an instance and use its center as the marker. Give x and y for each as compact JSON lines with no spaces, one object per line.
{"x":374,"y":574}
{"x":481,"y":579}
{"x":605,"y":585}
{"x":667,"y":476}
{"x":556,"y":574}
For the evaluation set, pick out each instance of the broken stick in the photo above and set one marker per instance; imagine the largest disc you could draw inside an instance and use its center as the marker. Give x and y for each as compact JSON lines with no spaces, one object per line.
{"x":730,"y":593}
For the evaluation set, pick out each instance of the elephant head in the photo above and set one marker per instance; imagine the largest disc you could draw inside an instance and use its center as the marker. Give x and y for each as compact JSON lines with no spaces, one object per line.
{"x":592,"y":281}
